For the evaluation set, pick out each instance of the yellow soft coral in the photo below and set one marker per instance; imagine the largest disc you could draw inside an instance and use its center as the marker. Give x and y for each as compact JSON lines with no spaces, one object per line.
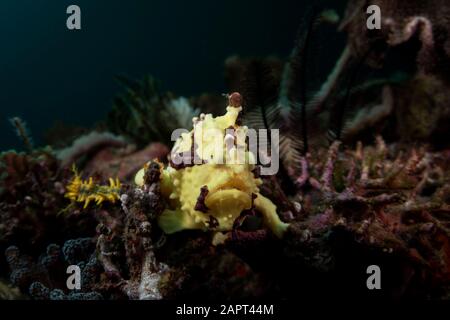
{"x":224,"y":174}
{"x":85,"y":192}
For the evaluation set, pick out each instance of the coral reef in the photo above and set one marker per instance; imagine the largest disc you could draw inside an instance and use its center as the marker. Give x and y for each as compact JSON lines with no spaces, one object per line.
{"x":385,"y":204}
{"x":364,"y":180}
{"x":140,"y":278}
{"x":391,"y":201}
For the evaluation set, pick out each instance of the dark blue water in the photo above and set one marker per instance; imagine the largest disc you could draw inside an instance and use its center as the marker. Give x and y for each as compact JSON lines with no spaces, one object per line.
{"x":48,"y":73}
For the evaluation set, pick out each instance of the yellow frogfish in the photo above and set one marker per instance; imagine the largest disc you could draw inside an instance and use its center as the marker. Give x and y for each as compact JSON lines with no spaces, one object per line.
{"x":211,"y":178}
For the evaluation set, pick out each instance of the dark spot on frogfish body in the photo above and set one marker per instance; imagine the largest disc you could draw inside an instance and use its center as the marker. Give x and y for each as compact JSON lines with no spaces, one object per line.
{"x":213,"y":223}
{"x":257,"y":172}
{"x":200,"y":205}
